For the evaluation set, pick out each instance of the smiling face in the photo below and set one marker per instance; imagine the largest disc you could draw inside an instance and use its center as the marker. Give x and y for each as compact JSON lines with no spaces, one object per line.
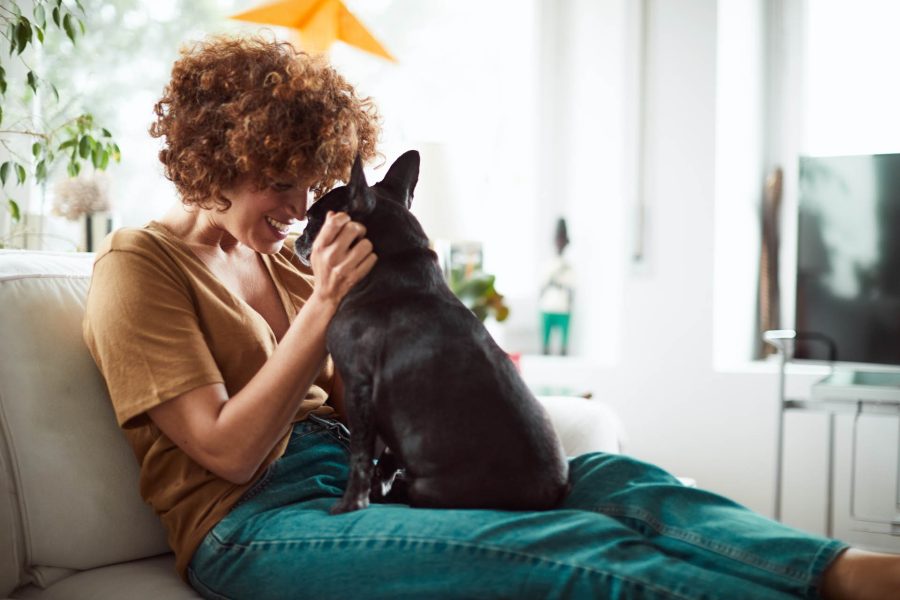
{"x":262,"y":219}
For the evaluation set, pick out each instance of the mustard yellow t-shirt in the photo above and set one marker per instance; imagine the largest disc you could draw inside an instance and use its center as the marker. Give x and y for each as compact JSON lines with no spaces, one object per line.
{"x":158,"y":324}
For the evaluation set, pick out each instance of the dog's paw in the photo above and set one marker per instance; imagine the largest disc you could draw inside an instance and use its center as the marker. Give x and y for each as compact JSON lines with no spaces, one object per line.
{"x":345,"y":506}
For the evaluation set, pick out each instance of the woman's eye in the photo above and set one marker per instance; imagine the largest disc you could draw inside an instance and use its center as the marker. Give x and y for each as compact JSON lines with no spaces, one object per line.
{"x":281,"y":187}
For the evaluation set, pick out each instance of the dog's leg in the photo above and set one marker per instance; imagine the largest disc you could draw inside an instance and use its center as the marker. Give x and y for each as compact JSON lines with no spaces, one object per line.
{"x":360,"y":415}
{"x":389,"y":481}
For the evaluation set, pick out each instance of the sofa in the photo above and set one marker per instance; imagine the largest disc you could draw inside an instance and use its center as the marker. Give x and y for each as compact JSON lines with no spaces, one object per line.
{"x":72,"y":523}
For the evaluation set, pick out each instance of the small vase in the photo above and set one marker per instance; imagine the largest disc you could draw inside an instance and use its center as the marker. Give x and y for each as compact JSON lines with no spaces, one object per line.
{"x":96,"y":227}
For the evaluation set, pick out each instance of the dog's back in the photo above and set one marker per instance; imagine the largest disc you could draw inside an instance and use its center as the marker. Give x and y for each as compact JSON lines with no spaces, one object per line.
{"x":443,"y":396}
{"x":448,"y":401}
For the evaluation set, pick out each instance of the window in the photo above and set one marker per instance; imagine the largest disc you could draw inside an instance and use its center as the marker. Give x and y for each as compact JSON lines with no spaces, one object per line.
{"x":851,"y":92}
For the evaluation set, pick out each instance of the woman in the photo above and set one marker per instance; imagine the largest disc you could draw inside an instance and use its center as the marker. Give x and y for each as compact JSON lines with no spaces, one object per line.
{"x":211,"y":339}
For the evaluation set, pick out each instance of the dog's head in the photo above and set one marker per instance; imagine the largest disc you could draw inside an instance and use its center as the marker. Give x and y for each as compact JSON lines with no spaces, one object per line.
{"x":383,"y":208}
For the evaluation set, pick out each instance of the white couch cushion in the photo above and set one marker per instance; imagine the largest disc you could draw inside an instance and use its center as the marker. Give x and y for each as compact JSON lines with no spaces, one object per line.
{"x":73,"y":473}
{"x":585,"y":425}
{"x":151,"y":578}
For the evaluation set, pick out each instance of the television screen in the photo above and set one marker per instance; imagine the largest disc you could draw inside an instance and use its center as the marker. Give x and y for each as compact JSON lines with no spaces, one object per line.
{"x":848,"y":259}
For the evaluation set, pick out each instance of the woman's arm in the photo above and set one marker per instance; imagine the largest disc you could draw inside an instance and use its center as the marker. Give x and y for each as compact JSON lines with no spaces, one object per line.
{"x":232,"y":436}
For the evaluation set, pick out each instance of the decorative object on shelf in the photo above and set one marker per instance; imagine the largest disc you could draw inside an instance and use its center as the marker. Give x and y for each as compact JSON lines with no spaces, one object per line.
{"x":85,"y":198}
{"x":319,"y":24}
{"x":769,"y":309}
{"x":471,"y":284}
{"x":555,"y":301}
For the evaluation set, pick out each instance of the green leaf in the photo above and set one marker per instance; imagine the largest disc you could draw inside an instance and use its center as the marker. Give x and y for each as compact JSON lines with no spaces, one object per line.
{"x":36,"y":149}
{"x":40,"y":16}
{"x":11,"y":36}
{"x":81,"y":26}
{"x":23,"y":34}
{"x":55,"y":92}
{"x":67,"y":144}
{"x":1,"y":113}
{"x":39,"y":32}
{"x":84,"y":146}
{"x":104,"y":160}
{"x":40,"y":171}
{"x":32,"y":81}
{"x":4,"y":172}
{"x":72,"y":168}
{"x":69,"y":27}
{"x":106,"y":132}
{"x":14,"y":211}
{"x":55,"y":14}
{"x":2,"y":80}
{"x":21,"y":175}
{"x":95,"y":156}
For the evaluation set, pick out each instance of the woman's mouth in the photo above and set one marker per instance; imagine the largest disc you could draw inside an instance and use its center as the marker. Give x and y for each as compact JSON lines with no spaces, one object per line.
{"x":282,"y":229}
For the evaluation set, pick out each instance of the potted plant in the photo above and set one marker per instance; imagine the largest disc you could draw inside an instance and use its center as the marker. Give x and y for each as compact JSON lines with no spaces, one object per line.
{"x":475,"y":289}
{"x":30,"y":144}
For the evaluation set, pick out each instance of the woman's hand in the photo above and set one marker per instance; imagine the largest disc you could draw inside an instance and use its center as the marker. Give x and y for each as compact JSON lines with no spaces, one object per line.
{"x":337,"y":262}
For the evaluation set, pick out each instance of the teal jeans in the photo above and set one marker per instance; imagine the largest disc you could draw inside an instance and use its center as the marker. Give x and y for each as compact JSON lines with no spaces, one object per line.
{"x":626,"y":530}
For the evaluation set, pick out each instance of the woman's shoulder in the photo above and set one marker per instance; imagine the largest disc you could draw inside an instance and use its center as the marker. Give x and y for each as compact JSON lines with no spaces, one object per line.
{"x":140,"y":240}
{"x":141,"y":248}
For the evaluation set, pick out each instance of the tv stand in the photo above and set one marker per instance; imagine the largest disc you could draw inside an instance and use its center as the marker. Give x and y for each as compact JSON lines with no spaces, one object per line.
{"x":844,"y":385}
{"x":854,"y":399}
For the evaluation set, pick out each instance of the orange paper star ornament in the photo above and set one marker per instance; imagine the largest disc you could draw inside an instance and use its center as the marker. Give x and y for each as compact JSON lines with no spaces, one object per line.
{"x":319,"y":22}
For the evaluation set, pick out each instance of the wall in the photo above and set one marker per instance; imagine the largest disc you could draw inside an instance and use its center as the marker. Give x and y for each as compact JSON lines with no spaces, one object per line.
{"x":681,"y":413}
{"x":717,"y":428}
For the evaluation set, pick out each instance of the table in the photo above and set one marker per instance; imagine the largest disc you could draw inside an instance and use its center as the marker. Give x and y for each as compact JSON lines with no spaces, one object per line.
{"x":842,"y":391}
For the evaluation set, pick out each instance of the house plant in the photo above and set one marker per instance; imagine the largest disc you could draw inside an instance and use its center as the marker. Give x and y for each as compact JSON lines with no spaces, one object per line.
{"x":32,"y":139}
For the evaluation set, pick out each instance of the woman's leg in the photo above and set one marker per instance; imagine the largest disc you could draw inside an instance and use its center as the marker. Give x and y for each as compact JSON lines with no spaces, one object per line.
{"x":862,"y":575}
{"x":282,"y":543}
{"x":699,"y":527}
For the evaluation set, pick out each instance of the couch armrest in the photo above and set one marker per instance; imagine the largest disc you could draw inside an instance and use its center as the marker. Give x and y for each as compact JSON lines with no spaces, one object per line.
{"x":585,"y":425}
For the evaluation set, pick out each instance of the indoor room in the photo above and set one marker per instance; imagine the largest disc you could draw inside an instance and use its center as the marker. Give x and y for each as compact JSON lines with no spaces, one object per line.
{"x":675,"y":218}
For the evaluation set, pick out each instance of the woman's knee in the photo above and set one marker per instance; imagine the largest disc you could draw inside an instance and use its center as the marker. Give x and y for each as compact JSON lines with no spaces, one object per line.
{"x":596,"y":477}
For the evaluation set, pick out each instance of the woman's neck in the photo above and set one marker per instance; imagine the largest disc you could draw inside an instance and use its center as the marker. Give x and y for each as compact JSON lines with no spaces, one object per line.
{"x":198,"y":228}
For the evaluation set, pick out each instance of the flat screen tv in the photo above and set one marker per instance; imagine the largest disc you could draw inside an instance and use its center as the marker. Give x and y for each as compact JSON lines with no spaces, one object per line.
{"x":848,"y":259}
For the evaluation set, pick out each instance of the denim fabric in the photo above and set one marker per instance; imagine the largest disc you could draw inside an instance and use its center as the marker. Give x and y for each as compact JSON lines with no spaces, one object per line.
{"x":626,"y":530}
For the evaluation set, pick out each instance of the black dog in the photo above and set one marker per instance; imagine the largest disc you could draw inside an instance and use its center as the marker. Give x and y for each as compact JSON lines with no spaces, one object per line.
{"x":422,"y":372}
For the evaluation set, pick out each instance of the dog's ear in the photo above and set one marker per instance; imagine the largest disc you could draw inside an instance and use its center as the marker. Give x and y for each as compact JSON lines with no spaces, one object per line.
{"x":402,"y":177}
{"x":362,"y":200}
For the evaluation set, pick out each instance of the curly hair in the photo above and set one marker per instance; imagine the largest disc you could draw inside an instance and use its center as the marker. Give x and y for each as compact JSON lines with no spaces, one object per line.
{"x":249,"y":107}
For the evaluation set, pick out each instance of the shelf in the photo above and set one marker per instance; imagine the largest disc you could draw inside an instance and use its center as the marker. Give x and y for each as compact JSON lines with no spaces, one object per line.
{"x":559,"y":375}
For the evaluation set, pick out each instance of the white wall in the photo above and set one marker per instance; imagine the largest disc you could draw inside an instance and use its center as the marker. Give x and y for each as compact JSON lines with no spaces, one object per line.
{"x":680,"y":412}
